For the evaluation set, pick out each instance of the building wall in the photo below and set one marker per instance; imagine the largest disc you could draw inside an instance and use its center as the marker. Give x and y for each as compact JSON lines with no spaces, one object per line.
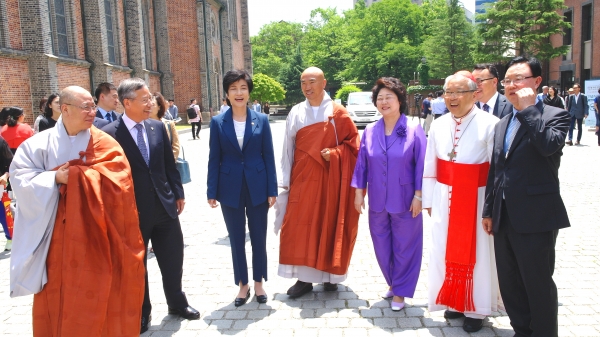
{"x":184,"y":61}
{"x":560,"y":66}
{"x":15,"y":85}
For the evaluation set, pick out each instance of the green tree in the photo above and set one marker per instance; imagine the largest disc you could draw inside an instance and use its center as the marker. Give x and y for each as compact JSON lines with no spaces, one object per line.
{"x":266,"y":89}
{"x":289,"y":77}
{"x":385,"y":41}
{"x":449,"y":48}
{"x":345,"y":91}
{"x":520,"y":27}
{"x":324,"y":44}
{"x":275,"y":42}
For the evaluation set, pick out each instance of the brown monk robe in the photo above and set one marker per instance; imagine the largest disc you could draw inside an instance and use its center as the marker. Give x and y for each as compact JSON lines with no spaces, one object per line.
{"x":322,"y":235}
{"x":95,"y":261}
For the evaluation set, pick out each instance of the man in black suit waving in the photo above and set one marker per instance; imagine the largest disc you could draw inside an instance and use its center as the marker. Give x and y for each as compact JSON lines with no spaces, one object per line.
{"x":158,"y":192}
{"x":490,"y":100}
{"x":523,"y":207}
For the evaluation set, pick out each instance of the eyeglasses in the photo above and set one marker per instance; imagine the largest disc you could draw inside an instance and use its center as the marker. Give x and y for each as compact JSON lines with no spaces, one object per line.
{"x":84,"y":108}
{"x":516,"y":81}
{"x":481,"y":80}
{"x":456,"y":93}
{"x":144,"y":99}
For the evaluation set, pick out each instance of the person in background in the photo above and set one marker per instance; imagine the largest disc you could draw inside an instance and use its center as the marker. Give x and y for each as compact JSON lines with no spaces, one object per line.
{"x":197,"y":121}
{"x":427,"y":112}
{"x":567,"y":98}
{"x":542,"y":96}
{"x":108,"y":101}
{"x":267,"y":108}
{"x":438,"y":106}
{"x":256,"y":106}
{"x":553,"y":99}
{"x":578,"y":109}
{"x":6,"y":157}
{"x":41,"y":106}
{"x":51,"y":113}
{"x":390,"y":165}
{"x":173,"y":111}
{"x":159,"y":110}
{"x":242,"y":177}
{"x":13,"y":130}
{"x":224,"y":106}
{"x":597,"y":108}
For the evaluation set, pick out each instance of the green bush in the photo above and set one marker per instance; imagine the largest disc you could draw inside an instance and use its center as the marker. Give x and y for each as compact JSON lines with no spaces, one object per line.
{"x":345,"y":91}
{"x":420,"y":88}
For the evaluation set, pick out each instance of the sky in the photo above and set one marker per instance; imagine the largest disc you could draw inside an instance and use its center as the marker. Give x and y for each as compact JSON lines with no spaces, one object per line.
{"x":262,"y":12}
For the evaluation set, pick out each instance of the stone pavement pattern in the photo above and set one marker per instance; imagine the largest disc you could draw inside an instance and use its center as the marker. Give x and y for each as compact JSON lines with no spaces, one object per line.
{"x":357,"y":309}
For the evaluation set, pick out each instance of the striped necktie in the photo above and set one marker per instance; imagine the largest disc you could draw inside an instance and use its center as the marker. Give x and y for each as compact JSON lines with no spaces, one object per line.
{"x":511,"y":131}
{"x":141,"y":143}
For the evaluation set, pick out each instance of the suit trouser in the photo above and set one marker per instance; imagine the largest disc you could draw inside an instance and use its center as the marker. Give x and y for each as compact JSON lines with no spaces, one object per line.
{"x":525,"y":263}
{"x":579,"y":128}
{"x":235,"y":220}
{"x":167,"y":243}
{"x":427,"y":123}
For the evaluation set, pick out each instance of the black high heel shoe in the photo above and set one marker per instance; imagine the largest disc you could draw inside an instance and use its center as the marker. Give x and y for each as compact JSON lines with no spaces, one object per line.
{"x":241,"y":301}
{"x":261,"y":298}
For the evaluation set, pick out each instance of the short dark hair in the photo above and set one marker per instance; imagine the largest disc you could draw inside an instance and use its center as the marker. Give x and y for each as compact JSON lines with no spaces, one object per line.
{"x":439,"y":93}
{"x":490,"y":67}
{"x":48,"y":108}
{"x":532,"y":62}
{"x":162,"y":104}
{"x":104,"y":88}
{"x":42,"y":104}
{"x":171,"y":100}
{"x":10,"y":116}
{"x":395,"y":86}
{"x":430,"y":95}
{"x":233,"y":76}
{"x":192,"y":100}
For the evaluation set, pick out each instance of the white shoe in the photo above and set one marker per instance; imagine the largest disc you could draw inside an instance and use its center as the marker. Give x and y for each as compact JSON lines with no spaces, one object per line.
{"x":397,"y":306}
{"x":8,"y":246}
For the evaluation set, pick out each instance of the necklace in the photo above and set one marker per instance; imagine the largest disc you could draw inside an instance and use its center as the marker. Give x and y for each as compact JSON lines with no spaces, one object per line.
{"x":452,"y":153}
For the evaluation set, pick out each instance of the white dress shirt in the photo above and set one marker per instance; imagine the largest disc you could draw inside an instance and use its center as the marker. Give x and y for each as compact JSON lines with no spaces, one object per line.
{"x":130,"y":124}
{"x":491,"y":103}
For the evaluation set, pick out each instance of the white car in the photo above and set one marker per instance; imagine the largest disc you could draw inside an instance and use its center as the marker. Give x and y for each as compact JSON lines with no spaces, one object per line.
{"x":361,"y":108}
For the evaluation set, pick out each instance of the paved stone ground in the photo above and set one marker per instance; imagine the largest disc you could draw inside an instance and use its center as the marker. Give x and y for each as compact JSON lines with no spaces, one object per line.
{"x":357,"y":309}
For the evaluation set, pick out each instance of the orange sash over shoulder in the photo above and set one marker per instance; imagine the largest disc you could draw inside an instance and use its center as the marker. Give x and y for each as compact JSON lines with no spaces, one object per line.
{"x":95,"y":261}
{"x":320,"y":224}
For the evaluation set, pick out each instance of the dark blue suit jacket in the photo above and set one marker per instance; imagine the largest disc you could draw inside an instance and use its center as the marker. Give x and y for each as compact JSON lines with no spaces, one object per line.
{"x":227,"y":163}
{"x":502,"y":107}
{"x":161,"y":176}
{"x":527,"y":179}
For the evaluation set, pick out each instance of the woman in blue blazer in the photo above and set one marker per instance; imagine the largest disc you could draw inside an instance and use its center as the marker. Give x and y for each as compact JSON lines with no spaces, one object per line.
{"x":241,"y":176}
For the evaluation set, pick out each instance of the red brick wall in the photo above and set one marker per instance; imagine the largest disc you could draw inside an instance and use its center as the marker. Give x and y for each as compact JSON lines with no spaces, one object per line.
{"x":117,"y":78}
{"x":15,"y":86}
{"x":185,"y":48}
{"x":14,"y":24}
{"x":154,"y":83}
{"x":72,"y":75}
{"x":80,"y":52}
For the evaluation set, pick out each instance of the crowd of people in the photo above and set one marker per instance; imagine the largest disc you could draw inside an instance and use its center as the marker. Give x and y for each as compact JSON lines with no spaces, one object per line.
{"x":484,"y":168}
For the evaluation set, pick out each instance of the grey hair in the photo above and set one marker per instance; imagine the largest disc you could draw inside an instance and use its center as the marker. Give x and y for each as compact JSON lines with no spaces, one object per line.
{"x":472,"y":84}
{"x":128,"y":87}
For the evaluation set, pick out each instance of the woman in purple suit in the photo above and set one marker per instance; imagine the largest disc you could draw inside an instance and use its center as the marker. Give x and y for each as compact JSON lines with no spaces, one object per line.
{"x":390,"y":162}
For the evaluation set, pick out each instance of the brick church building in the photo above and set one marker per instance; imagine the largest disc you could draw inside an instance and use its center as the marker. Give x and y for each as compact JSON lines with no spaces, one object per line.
{"x":181,"y":48}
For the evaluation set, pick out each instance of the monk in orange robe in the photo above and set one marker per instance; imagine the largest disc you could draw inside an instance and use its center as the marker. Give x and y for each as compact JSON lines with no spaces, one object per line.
{"x":319,"y":224}
{"x":94,"y":263}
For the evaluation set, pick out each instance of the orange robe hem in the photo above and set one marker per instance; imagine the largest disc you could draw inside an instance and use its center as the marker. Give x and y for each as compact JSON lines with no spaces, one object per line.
{"x":320,"y":224}
{"x":95,"y":262}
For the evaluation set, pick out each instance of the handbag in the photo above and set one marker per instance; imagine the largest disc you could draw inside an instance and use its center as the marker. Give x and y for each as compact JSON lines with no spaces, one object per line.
{"x":182,"y":165}
{"x":184,"y":168}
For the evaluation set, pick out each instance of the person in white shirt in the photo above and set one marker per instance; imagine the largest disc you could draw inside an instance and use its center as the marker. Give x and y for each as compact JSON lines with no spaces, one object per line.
{"x":256,"y":106}
{"x":224,"y":106}
{"x":438,"y":106}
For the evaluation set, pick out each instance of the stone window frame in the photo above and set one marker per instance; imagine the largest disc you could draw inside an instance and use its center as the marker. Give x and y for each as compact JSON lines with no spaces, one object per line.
{"x":4,"y":38}
{"x":113,"y":30}
{"x":233,"y":23}
{"x":146,"y":7}
{"x":69,"y":29}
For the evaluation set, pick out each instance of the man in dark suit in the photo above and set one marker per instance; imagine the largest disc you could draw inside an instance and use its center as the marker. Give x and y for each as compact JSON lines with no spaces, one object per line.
{"x":490,"y":100}
{"x":578,"y":110}
{"x":158,"y":192}
{"x":100,"y":123}
{"x":107,"y":101}
{"x":523,"y":207}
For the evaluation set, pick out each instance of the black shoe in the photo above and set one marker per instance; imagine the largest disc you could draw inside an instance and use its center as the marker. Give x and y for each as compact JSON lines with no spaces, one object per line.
{"x":299,"y":289}
{"x":472,"y":324}
{"x":569,"y":142}
{"x":187,"y":313}
{"x":453,"y":314}
{"x":330,"y":286}
{"x":241,"y":301}
{"x":145,"y":323}
{"x":261,"y":298}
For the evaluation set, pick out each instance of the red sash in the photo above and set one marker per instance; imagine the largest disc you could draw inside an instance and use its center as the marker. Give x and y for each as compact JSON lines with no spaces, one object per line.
{"x":457,"y":290}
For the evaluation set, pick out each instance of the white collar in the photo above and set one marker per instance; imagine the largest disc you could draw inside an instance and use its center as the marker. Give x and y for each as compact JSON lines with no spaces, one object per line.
{"x":130,"y":123}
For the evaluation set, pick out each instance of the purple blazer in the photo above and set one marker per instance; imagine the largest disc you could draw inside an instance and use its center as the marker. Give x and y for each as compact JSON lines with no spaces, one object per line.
{"x":393,"y":174}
